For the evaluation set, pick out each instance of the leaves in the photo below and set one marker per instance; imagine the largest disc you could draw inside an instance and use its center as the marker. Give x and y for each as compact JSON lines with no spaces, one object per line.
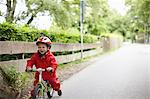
{"x":14,"y":79}
{"x":10,"y":32}
{"x":139,"y":12}
{"x":70,"y":35}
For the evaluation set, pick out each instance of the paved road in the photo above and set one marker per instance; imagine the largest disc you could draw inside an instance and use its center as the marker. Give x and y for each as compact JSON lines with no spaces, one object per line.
{"x":124,"y":74}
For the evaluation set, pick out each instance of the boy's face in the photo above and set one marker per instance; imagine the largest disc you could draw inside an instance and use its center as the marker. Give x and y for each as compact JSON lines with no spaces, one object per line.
{"x":42,"y":48}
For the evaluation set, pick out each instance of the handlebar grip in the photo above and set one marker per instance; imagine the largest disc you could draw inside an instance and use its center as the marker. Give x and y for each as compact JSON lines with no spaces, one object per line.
{"x":51,"y":70}
{"x":28,"y":70}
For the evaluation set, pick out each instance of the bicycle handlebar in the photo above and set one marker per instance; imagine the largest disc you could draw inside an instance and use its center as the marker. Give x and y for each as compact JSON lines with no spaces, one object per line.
{"x":34,"y":70}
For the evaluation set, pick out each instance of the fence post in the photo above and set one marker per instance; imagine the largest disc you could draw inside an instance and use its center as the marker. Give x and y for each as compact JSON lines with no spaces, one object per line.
{"x":22,"y":55}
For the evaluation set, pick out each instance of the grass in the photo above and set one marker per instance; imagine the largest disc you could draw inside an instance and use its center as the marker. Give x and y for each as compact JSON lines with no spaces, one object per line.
{"x":79,"y":61}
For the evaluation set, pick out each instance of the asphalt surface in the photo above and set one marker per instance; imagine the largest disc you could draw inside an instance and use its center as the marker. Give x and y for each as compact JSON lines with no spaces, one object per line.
{"x":123,"y":74}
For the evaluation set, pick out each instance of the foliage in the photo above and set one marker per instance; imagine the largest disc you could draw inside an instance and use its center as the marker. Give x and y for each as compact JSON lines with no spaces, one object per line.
{"x":66,"y":13}
{"x":11,"y":32}
{"x":33,"y":8}
{"x":88,"y":38}
{"x":139,"y":13}
{"x":112,"y":35}
{"x":13,"y":78}
{"x":95,"y":17}
{"x":70,"y":35}
{"x":118,"y":23}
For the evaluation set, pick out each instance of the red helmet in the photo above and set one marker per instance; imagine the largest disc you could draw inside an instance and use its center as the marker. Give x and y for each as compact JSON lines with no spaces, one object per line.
{"x":44,"y":40}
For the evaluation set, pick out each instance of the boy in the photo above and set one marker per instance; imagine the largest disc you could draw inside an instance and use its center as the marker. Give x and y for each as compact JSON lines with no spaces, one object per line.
{"x":44,"y":59}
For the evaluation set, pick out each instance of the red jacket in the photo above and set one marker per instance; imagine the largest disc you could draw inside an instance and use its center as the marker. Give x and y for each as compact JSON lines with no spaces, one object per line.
{"x":48,"y":61}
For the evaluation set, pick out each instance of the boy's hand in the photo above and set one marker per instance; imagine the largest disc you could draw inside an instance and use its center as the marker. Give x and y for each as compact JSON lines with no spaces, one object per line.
{"x":29,"y":68}
{"x":50,"y":69}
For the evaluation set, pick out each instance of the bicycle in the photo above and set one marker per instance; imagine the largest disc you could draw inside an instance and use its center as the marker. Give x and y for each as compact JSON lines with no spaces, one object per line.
{"x":42,"y":86}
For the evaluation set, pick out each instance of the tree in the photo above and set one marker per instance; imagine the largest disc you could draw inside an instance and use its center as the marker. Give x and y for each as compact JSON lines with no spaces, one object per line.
{"x":95,"y":19}
{"x":95,"y":12}
{"x":11,"y":5}
{"x":34,"y":7}
{"x":139,"y":13}
{"x":141,"y":10}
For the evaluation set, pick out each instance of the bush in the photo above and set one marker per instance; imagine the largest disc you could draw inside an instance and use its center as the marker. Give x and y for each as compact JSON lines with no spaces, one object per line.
{"x":114,"y":35}
{"x":14,"y":79}
{"x":11,"y":32}
{"x":7,"y":31}
{"x":88,"y":38}
{"x":70,"y":35}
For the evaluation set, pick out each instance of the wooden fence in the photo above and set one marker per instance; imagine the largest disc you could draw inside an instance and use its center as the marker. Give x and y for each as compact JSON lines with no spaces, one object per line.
{"x":13,"y":47}
{"x":10,"y":47}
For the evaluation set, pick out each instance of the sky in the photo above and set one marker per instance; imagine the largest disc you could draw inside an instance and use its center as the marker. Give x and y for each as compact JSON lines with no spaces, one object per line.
{"x":42,"y":21}
{"x":118,"y":5}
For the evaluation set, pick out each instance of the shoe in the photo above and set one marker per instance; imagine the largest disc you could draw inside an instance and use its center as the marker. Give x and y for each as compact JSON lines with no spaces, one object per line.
{"x":59,"y":93}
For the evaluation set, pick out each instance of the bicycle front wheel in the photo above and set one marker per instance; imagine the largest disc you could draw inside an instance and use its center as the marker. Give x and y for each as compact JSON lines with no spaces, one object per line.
{"x":38,"y":94}
{"x":50,"y":92}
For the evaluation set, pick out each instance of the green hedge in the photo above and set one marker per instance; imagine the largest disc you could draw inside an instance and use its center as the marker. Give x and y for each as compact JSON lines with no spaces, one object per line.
{"x":72,"y":38}
{"x":11,"y":32}
{"x":70,"y":35}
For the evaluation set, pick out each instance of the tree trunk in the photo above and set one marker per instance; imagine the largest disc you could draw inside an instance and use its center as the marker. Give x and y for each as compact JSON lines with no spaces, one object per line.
{"x":30,"y":20}
{"x":11,"y":5}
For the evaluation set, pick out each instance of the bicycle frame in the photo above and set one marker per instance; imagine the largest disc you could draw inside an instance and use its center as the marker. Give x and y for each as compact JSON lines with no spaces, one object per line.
{"x":42,"y":85}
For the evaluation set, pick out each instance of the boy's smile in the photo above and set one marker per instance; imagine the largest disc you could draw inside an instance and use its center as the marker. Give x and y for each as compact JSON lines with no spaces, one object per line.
{"x":42,"y":48}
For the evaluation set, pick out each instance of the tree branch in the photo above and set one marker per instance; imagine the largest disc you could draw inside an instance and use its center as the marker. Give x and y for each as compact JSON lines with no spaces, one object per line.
{"x":30,"y":20}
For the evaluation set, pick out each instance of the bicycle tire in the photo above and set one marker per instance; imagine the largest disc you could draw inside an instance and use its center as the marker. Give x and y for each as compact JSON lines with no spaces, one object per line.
{"x":36,"y":92}
{"x":49,"y":95}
